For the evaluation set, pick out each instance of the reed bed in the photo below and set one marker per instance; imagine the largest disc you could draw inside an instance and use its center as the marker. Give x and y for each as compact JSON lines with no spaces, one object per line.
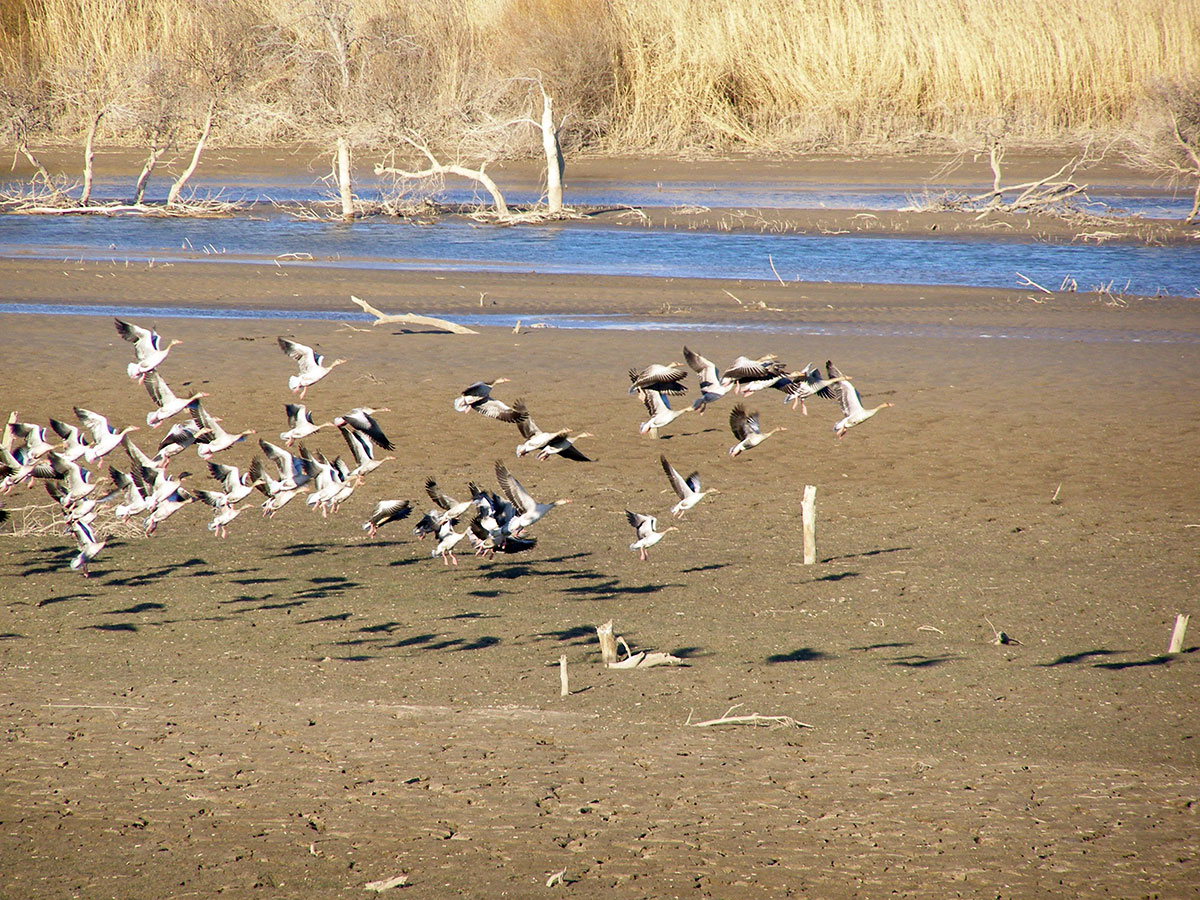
{"x":631,"y":75}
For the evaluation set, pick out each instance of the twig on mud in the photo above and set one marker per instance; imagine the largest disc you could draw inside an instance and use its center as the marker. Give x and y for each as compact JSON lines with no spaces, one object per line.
{"x":930,"y":628}
{"x":559,"y":877}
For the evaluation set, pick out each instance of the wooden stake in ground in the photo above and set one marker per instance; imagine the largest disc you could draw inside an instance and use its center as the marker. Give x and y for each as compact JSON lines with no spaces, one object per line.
{"x":564,"y":688}
{"x":1181,"y":624}
{"x":808,"y":519}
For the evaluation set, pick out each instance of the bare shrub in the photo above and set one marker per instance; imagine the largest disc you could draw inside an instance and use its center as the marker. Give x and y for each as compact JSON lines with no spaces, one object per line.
{"x":1166,"y":137}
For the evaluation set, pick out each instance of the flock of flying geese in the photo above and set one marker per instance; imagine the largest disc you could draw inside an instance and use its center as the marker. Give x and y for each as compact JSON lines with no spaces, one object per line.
{"x":148,"y":493}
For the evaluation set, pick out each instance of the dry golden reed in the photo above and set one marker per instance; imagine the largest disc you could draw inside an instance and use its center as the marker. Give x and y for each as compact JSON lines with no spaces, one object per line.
{"x":633,"y":74}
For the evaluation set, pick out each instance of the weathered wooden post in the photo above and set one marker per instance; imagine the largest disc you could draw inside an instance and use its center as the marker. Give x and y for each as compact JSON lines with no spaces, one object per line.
{"x":808,"y":518}
{"x":1181,"y":624}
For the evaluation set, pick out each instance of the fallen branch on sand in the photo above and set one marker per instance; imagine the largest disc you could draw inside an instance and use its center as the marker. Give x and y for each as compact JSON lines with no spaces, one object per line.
{"x":752,"y":719}
{"x":382,"y":318}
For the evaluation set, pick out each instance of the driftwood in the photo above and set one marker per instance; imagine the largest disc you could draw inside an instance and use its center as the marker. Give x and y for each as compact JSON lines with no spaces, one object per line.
{"x":643,"y":659}
{"x":564,"y":686}
{"x":386,"y":884}
{"x":382,"y":318}
{"x":89,"y":157}
{"x":752,"y":719}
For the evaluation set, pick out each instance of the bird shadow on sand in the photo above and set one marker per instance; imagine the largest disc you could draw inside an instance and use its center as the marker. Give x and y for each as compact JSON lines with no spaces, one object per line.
{"x":613,"y":588}
{"x":890,"y":645}
{"x":1082,"y":656}
{"x":865,"y":554}
{"x":141,"y":579}
{"x":65,"y":598}
{"x":920,"y":661}
{"x":708,"y":568}
{"x":577,"y":636}
{"x":136,"y":608}
{"x":1161,"y":660}
{"x":294,"y":550}
{"x":800,"y":654}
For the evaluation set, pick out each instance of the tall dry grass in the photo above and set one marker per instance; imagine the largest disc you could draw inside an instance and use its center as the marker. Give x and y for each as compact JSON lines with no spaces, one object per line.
{"x":633,"y":74}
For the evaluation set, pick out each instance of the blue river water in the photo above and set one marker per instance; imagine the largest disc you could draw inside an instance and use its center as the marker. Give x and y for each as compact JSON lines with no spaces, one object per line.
{"x":579,"y":248}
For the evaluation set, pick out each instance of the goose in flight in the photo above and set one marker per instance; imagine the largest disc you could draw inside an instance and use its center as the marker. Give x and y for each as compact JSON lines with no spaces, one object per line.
{"x":74,"y":444}
{"x":212,"y":437}
{"x":545,"y":443}
{"x":478,"y":397}
{"x":312,"y":366}
{"x":300,"y":423}
{"x":451,"y":509}
{"x":745,"y":428}
{"x":808,"y":383}
{"x":105,"y":438}
{"x":148,"y":347}
{"x":712,"y":387}
{"x":179,"y":438}
{"x":661,"y":414}
{"x":166,"y":404}
{"x":687,"y":489}
{"x":278,"y":491}
{"x":746,"y":376}
{"x":89,"y":547}
{"x":647,"y":533}
{"x":136,"y":501}
{"x":224,"y":511}
{"x":853,"y":412}
{"x":528,"y":510}
{"x":387,"y":511}
{"x":34,"y":437}
{"x":448,"y":539}
{"x":167,"y":507}
{"x":234,"y":484}
{"x":363,"y":452}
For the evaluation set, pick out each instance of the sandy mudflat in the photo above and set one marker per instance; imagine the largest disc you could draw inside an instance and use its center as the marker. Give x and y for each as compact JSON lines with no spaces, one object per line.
{"x":300,"y":710}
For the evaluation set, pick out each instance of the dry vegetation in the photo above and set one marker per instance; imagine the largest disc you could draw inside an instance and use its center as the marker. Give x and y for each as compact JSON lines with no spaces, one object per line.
{"x":649,"y":75}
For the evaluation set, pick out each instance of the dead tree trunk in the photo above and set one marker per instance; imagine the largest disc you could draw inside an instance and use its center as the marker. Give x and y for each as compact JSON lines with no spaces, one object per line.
{"x":555,"y":164}
{"x":342,"y":167}
{"x":436,"y":168}
{"x":173,"y":196}
{"x":33,"y":161}
{"x":89,"y":156}
{"x":156,"y":153}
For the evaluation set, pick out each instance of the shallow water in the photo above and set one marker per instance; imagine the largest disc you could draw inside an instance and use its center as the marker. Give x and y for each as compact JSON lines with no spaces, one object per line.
{"x":629,"y":323}
{"x":255,"y":189}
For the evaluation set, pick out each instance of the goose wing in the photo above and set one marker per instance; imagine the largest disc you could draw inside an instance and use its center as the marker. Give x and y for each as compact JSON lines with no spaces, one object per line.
{"x":658,"y":377}
{"x":656,"y":402}
{"x":524,"y":421}
{"x":158,"y":390}
{"x":643,"y":524}
{"x":571,"y":452}
{"x":742,"y":423}
{"x":844,"y":391}
{"x":361,"y":420}
{"x":703,"y":367}
{"x":677,"y":483}
{"x":93,"y":422}
{"x":516,"y":493}
{"x":438,"y":496}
